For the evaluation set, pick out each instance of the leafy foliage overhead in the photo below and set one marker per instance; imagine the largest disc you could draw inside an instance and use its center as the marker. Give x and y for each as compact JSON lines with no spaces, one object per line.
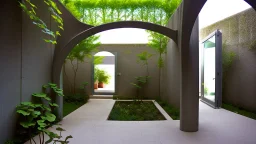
{"x":97,"y":12}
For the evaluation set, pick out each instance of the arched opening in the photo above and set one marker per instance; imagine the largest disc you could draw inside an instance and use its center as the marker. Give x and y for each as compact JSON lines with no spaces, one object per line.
{"x":128,"y":67}
{"x":104,"y":73}
{"x":62,"y":52}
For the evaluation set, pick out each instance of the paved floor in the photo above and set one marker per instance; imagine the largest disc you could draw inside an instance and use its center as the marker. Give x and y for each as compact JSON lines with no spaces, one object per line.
{"x":88,"y":125}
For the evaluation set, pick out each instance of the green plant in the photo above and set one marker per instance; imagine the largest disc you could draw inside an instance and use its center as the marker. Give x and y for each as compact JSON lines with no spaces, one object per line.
{"x":139,"y":85}
{"x":239,"y":110}
{"x":158,"y":42}
{"x":98,"y":60}
{"x":79,"y":53}
{"x":142,"y":58}
{"x":77,"y":98}
{"x":70,"y":107}
{"x":103,"y":77}
{"x":9,"y":142}
{"x":135,"y":111}
{"x":30,"y":9}
{"x":98,"y":12}
{"x":173,"y":112}
{"x":84,"y":84}
{"x":96,"y":75}
{"x":37,"y":116}
{"x":206,"y":91}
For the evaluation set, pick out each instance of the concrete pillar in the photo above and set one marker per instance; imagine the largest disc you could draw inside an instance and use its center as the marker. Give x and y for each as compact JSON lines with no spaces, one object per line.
{"x":189,"y":101}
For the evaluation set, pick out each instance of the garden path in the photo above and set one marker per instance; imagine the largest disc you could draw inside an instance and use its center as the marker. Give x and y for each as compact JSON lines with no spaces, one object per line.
{"x":88,"y":125}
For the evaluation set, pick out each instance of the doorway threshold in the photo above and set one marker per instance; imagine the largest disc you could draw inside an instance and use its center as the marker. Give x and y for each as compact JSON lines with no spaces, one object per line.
{"x":101,"y":97}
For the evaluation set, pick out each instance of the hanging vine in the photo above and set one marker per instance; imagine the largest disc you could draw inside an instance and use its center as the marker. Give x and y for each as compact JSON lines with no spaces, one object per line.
{"x":30,"y":9}
{"x":105,"y":11}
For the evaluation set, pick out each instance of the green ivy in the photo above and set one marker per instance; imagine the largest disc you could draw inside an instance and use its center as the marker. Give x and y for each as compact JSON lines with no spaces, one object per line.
{"x":30,"y":9}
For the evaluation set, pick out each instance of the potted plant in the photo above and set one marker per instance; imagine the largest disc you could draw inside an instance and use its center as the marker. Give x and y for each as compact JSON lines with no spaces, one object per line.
{"x":103,"y":78}
{"x":96,"y":77}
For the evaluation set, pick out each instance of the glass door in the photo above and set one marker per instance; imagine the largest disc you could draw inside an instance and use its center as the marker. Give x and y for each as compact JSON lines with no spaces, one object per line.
{"x":211,"y":77}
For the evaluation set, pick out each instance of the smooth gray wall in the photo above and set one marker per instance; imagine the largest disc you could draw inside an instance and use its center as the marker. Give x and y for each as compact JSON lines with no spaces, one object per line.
{"x":126,"y":65}
{"x":25,"y":61}
{"x":171,"y":72}
{"x":239,"y":35}
{"x":10,"y":62}
{"x":37,"y":55}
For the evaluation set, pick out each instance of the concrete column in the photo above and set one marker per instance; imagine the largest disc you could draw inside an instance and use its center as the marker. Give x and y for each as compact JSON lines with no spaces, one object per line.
{"x":189,"y":101}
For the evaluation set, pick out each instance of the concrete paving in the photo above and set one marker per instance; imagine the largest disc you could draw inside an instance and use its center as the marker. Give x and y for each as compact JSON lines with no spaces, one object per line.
{"x":89,"y":125}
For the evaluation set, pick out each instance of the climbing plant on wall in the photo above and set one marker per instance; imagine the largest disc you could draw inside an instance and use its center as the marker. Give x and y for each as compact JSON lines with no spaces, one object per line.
{"x":30,"y":9}
{"x":36,"y":116}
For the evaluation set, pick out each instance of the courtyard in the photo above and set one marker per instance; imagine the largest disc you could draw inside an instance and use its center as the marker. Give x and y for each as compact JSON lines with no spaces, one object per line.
{"x":128,"y":72}
{"x":89,"y":124}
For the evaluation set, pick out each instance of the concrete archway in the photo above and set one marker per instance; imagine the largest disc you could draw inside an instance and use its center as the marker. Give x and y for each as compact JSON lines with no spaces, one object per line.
{"x":186,"y":38}
{"x":75,"y":31}
{"x":61,"y":55}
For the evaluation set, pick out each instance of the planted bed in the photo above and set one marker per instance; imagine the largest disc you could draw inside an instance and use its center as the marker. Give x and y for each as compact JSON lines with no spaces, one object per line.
{"x":135,"y":111}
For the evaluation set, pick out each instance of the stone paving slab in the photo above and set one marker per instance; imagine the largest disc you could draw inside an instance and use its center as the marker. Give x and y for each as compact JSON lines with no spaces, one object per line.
{"x":88,"y":125}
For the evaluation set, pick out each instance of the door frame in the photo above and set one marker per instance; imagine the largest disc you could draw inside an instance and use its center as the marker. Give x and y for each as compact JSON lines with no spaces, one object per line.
{"x":218,"y":70}
{"x":92,"y":78}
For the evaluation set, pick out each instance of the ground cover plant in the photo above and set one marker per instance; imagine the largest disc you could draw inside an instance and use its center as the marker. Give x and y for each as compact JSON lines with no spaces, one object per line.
{"x":238,"y":110}
{"x":173,"y":112}
{"x":69,"y":107}
{"x":135,"y":111}
{"x":34,"y":118}
{"x":72,"y":102}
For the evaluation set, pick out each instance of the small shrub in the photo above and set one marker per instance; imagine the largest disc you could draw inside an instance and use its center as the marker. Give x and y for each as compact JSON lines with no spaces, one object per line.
{"x":173,"y":112}
{"x":77,"y":99}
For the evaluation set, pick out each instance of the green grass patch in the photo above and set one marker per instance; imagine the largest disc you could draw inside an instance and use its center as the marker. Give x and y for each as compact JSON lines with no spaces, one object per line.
{"x":173,"y":112}
{"x":135,"y":111}
{"x":69,"y":107}
{"x":239,"y":110}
